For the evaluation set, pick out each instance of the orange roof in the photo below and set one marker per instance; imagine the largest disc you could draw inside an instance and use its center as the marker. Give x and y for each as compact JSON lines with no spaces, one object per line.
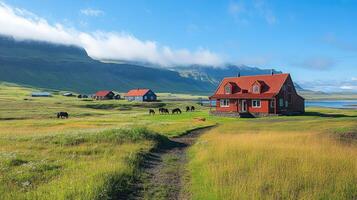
{"x":102,"y":93}
{"x":137,"y":92}
{"x":272,"y":85}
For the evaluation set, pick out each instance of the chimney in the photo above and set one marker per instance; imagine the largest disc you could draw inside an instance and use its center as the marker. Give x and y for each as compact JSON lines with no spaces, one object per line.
{"x":272,"y":72}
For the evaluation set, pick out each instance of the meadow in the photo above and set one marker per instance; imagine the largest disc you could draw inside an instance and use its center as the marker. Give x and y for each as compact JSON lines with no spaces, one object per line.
{"x":297,"y":157}
{"x":96,"y":153}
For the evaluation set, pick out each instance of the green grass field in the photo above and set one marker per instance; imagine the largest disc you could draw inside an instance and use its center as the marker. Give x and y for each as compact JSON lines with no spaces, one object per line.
{"x":95,"y":154}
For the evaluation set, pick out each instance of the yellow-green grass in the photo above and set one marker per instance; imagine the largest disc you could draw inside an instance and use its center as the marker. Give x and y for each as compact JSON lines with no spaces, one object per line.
{"x":300,"y":157}
{"x":42,"y":157}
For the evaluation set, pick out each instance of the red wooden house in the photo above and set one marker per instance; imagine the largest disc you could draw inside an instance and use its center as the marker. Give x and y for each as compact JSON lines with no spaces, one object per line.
{"x":257,"y":95}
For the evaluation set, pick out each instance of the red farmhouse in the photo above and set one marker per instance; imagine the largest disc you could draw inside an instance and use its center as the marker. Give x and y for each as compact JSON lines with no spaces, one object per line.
{"x":257,"y":95}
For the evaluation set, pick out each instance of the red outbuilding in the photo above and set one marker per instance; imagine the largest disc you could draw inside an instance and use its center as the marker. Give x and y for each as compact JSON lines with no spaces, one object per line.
{"x":258,"y":95}
{"x":104,"y":95}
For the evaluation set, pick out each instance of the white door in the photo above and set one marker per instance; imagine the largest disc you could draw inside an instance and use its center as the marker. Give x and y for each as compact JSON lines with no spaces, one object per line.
{"x":243,"y":106}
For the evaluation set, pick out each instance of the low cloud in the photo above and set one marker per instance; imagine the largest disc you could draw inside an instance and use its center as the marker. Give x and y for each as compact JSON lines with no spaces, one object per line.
{"x":91,"y":12}
{"x":330,"y":85}
{"x":24,"y":25}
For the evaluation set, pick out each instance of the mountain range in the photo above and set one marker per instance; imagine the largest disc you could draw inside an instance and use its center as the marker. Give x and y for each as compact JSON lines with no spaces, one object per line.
{"x":64,"y":67}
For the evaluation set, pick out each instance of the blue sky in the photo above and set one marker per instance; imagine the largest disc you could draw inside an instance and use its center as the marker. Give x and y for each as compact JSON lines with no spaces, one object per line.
{"x":315,"y":41}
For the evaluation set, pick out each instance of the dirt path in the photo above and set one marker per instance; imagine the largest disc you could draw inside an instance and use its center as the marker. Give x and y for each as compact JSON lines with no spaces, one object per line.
{"x":164,"y":169}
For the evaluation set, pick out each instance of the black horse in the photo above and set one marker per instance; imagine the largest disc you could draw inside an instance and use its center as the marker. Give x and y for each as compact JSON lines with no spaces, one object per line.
{"x":62,"y":115}
{"x":176,"y":111}
{"x":151,"y":112}
{"x":192,"y":108}
{"x":187,"y":108}
{"x":165,"y":111}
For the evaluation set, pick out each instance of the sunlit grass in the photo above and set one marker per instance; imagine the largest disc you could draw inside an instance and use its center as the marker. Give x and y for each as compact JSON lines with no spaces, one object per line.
{"x":276,"y":158}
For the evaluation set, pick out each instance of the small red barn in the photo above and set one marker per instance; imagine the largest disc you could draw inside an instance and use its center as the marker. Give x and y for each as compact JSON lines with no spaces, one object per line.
{"x":104,"y":95}
{"x":257,"y":95}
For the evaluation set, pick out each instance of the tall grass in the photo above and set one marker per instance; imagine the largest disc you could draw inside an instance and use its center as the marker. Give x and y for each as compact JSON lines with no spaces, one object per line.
{"x":98,"y":165}
{"x":232,"y":162}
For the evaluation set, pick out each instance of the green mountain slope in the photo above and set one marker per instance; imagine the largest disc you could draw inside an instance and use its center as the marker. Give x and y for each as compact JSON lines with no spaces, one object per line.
{"x":70,"y":68}
{"x":62,"y":67}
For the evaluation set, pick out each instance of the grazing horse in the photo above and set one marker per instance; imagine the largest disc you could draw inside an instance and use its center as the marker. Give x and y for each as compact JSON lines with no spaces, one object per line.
{"x":166,"y":111}
{"x":176,"y":111}
{"x":187,"y":108}
{"x":192,"y":108}
{"x":151,"y":112}
{"x":62,"y":115}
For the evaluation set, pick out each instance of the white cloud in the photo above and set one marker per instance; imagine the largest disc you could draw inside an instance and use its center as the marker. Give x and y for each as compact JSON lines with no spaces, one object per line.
{"x":349,"y":87}
{"x":245,"y":11}
{"x":24,"y":25}
{"x":91,"y":12}
{"x":354,"y":78}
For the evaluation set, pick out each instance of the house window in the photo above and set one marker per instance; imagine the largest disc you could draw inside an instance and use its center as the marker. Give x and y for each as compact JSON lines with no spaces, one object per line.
{"x":256,"y":103}
{"x":145,"y":97}
{"x":256,"y":89}
{"x":227,"y":89}
{"x":272,"y":103}
{"x":281,"y":102}
{"x":224,"y":103}
{"x":286,"y":104}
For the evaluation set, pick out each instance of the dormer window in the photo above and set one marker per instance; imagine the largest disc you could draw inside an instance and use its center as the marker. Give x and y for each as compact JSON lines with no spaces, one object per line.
{"x":256,"y":89}
{"x":228,"y":89}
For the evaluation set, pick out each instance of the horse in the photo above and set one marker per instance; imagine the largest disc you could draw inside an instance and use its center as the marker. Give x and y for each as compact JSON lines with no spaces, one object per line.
{"x":176,"y":111}
{"x":192,"y":108}
{"x":166,"y":111}
{"x":62,"y":115}
{"x":151,"y":112}
{"x":187,"y":108}
{"x":163,"y":111}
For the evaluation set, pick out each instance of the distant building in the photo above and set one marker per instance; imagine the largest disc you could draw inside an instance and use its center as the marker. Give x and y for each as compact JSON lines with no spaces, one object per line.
{"x":41,"y":94}
{"x":104,"y":95}
{"x":117,"y":96}
{"x":68,"y":94}
{"x":257,"y":95}
{"x":140,"y":95}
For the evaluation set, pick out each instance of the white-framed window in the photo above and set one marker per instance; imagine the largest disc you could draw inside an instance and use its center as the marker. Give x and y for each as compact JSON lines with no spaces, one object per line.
{"x":228,"y":89}
{"x":256,"y":103}
{"x":272,"y":103}
{"x":224,"y":103}
{"x":256,"y":89}
{"x":281,"y":102}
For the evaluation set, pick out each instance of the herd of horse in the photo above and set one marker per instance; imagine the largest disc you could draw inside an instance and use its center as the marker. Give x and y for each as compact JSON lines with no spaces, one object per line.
{"x":65,"y":115}
{"x":173,"y":111}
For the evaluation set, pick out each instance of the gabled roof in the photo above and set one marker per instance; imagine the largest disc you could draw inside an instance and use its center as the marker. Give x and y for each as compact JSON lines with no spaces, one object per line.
{"x":273,"y":85}
{"x":102,"y":93}
{"x":137,"y":92}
